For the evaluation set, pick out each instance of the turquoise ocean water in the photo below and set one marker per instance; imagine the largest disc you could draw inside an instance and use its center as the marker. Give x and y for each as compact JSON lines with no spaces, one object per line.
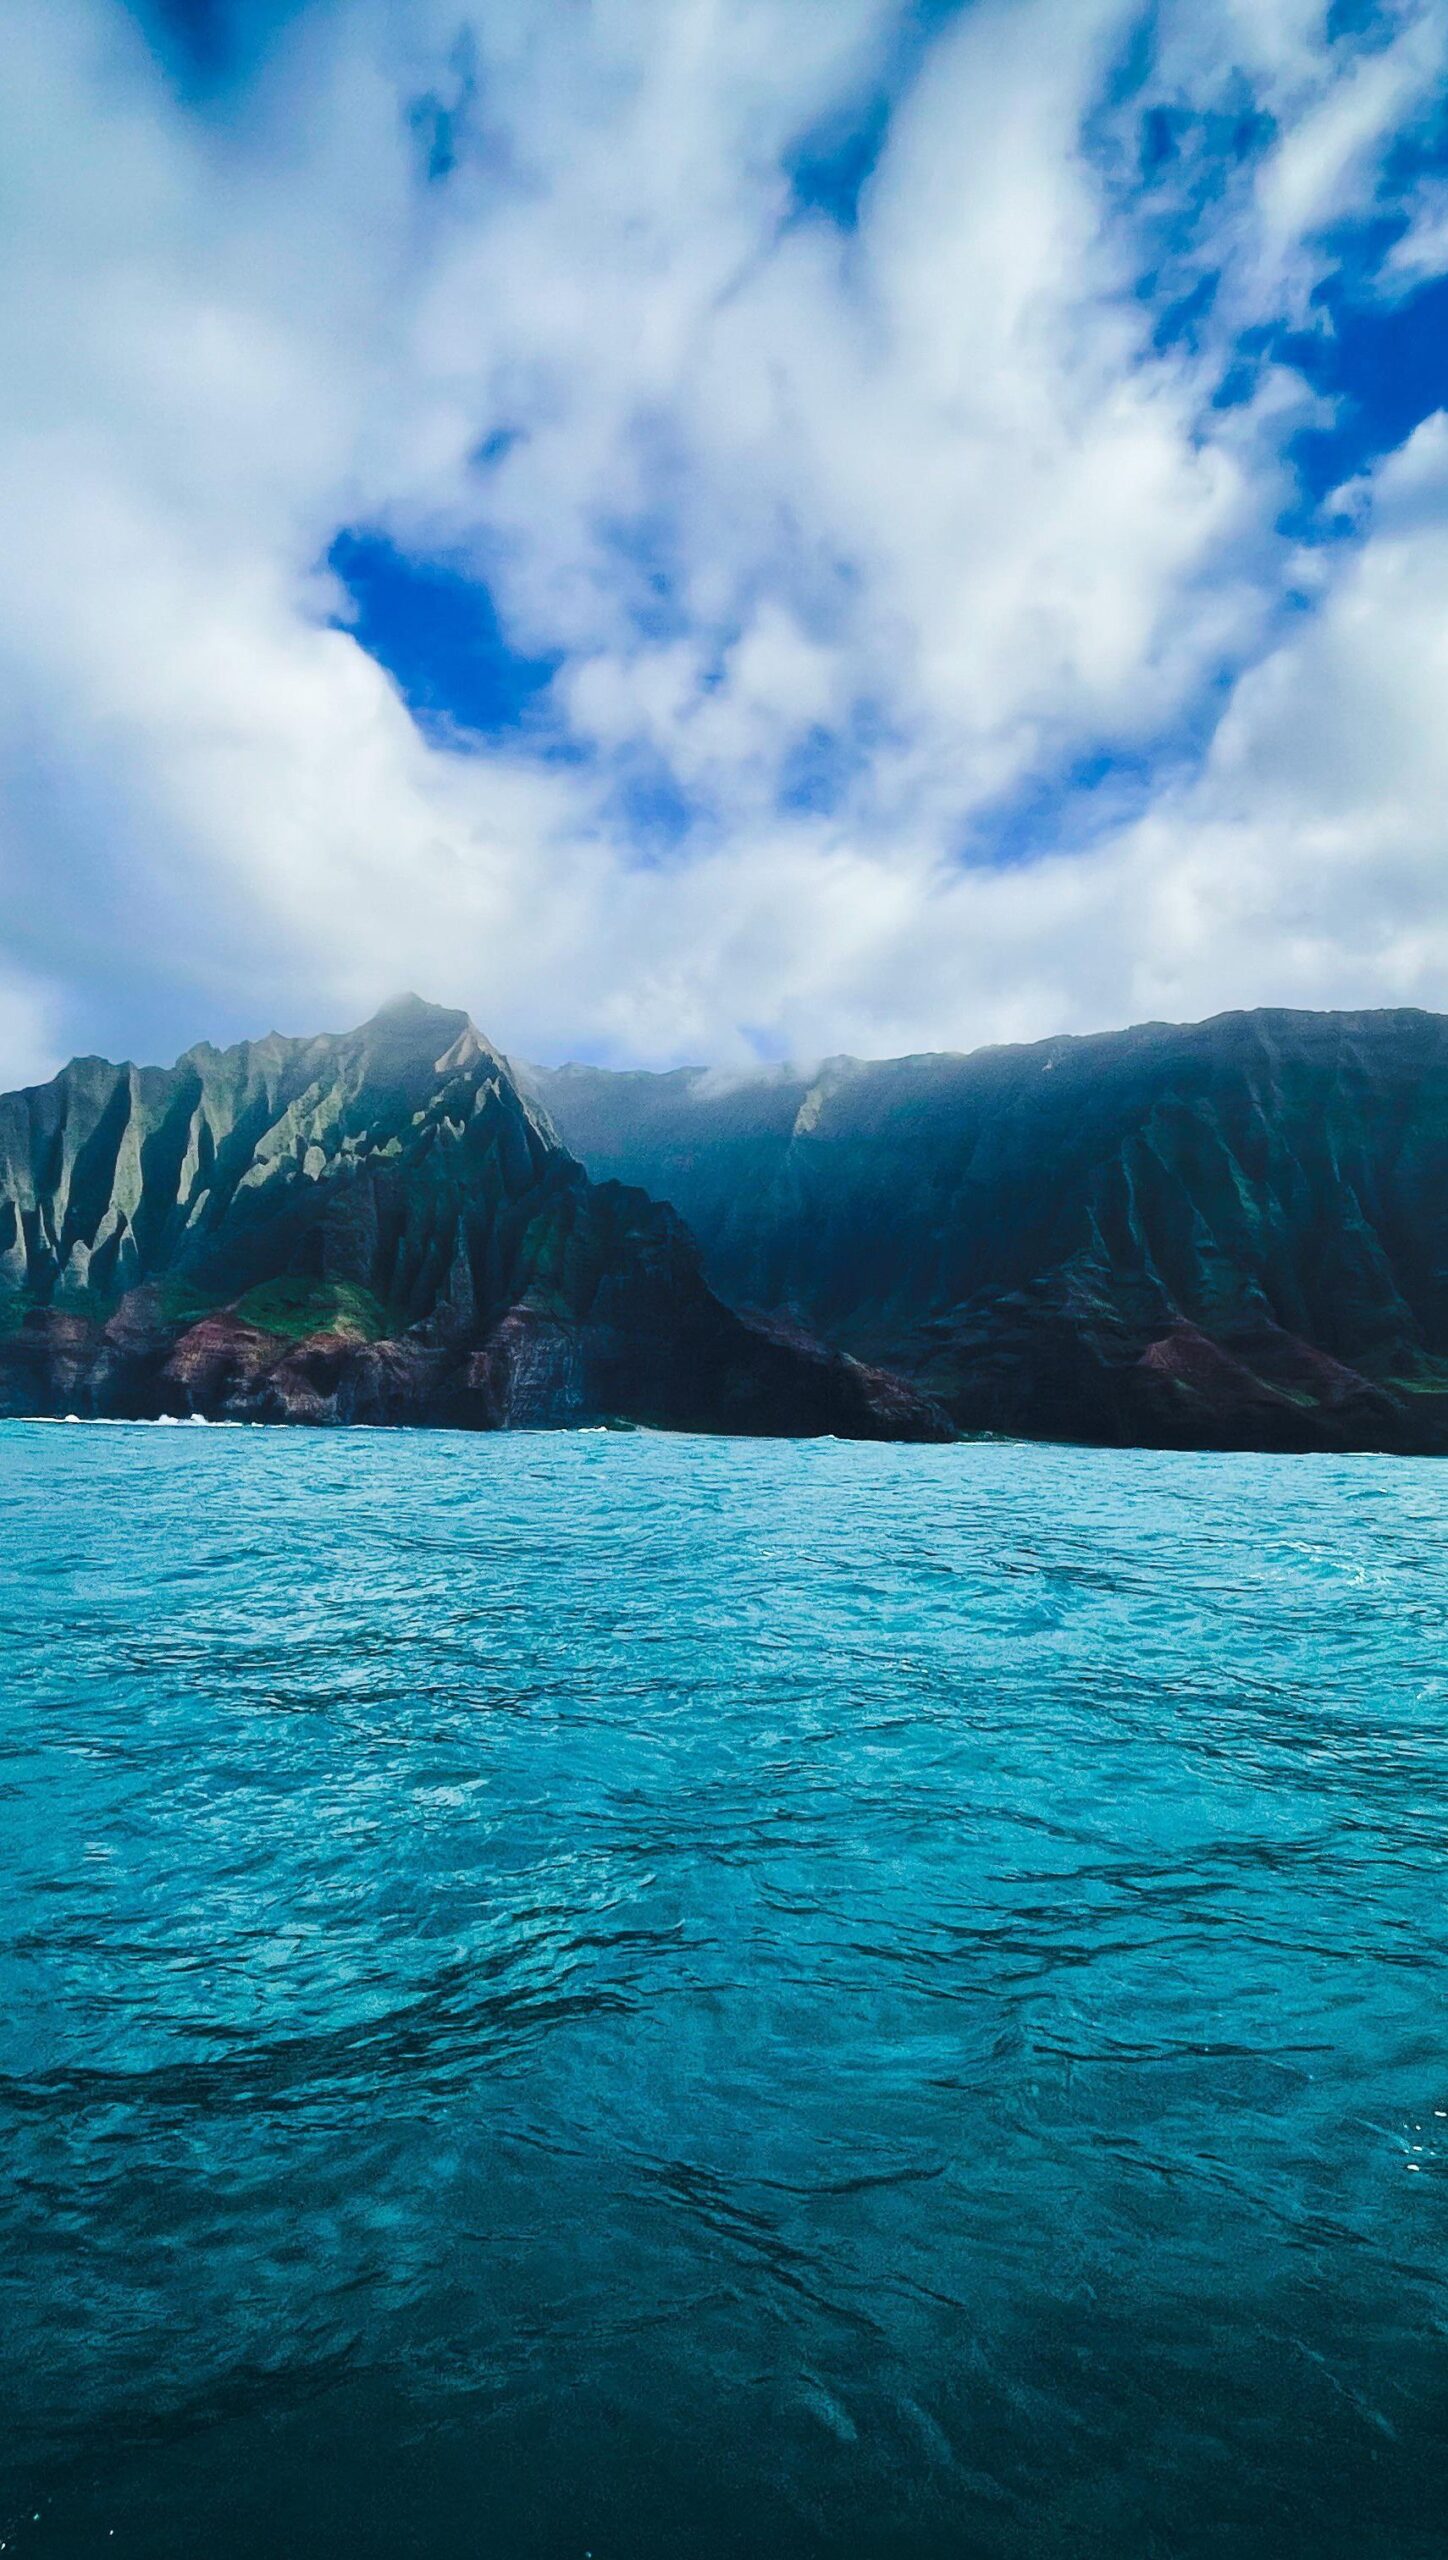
{"x":660,"y":1998}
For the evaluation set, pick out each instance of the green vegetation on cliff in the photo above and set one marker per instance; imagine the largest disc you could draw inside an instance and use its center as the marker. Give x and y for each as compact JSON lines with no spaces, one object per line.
{"x":373,"y":1226}
{"x":1234,"y":1232}
{"x":293,"y":1309}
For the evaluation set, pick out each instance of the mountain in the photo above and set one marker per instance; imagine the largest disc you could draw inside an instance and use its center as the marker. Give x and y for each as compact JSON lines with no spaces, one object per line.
{"x":1228,"y":1235}
{"x":372,"y":1227}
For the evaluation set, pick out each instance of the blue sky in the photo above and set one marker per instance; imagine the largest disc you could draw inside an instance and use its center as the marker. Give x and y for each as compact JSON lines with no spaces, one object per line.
{"x":716,"y":531}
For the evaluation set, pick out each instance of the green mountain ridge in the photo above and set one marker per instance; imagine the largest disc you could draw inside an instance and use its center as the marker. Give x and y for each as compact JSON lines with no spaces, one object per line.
{"x":369,"y":1226}
{"x":1226,"y":1234}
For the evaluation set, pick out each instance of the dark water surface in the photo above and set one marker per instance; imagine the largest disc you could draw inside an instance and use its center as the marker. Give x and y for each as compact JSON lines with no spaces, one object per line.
{"x":663,"y":1998}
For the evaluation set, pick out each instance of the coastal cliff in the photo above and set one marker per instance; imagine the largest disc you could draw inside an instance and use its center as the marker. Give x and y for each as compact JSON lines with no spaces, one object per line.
{"x":1227,"y":1235}
{"x":372,"y":1227}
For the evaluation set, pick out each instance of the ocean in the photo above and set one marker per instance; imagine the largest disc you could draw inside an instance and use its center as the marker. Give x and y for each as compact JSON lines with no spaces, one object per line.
{"x":603,"y":1996}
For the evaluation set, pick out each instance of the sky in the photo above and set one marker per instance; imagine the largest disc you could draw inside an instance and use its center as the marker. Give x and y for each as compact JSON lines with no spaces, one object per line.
{"x":719,"y":529}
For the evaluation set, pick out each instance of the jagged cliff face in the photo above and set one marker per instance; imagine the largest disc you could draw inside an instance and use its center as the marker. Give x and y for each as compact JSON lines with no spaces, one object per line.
{"x":371,"y":1227}
{"x":1233,"y":1234}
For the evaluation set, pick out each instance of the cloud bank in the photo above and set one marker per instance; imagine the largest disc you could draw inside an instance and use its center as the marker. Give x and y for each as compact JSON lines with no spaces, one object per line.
{"x":719,"y":528}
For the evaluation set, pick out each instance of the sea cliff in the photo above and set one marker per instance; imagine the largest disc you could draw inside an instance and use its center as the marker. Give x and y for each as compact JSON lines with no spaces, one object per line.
{"x":1232,"y":1234}
{"x":370,"y":1227}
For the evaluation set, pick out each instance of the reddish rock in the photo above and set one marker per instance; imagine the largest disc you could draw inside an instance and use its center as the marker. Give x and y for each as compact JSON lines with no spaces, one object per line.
{"x":213,"y":1365}
{"x":393,"y":1174}
{"x":529,"y":1372}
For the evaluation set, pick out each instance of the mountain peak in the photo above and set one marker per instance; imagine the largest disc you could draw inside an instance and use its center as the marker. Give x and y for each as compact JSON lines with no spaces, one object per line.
{"x":372,"y":1225}
{"x":413,"y":1012}
{"x":411,"y":1036}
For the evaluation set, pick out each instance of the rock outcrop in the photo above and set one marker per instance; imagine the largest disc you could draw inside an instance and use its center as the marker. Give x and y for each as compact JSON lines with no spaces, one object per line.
{"x":1228,"y":1235}
{"x":376,"y":1227}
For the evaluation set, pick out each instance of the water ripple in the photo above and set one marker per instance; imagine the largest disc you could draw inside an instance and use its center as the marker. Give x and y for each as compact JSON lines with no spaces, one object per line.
{"x":619,"y":1995}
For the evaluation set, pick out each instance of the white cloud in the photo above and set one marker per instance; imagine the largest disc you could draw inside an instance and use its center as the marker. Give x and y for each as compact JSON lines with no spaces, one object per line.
{"x":1327,"y":162}
{"x":1422,"y":252}
{"x":929,"y":488}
